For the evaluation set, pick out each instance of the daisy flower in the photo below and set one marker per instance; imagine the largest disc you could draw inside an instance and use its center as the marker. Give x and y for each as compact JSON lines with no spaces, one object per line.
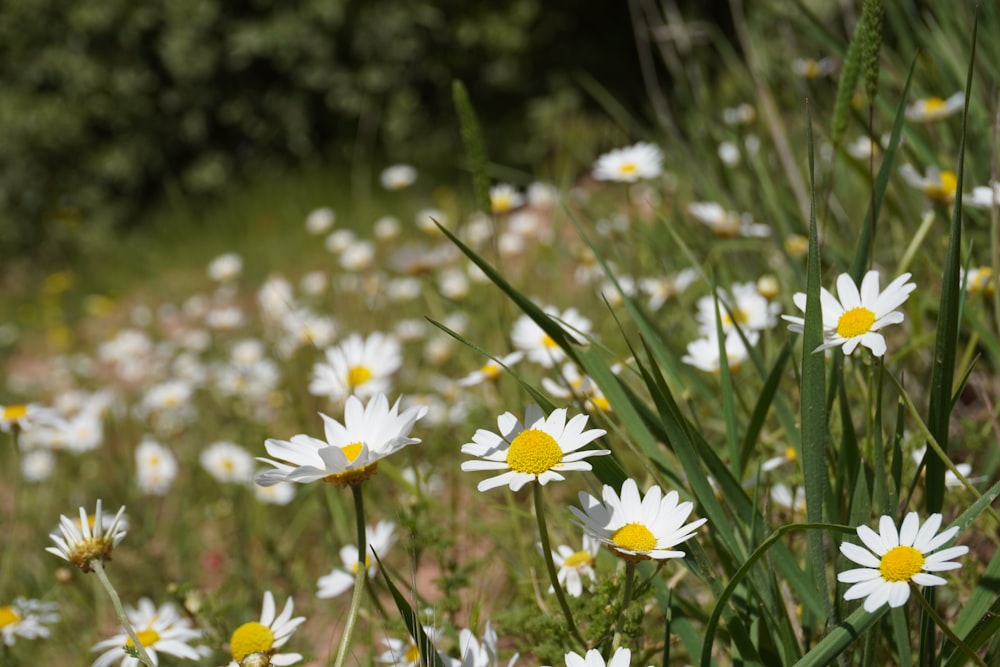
{"x":480,"y":652}
{"x":637,"y":528}
{"x":538,"y":450}
{"x":398,"y":176}
{"x":405,"y":652}
{"x":932,"y":109}
{"x":25,"y":415}
{"x":703,"y":353}
{"x":26,"y":619}
{"x":727,"y":223}
{"x":381,"y":537}
{"x":855,"y":319}
{"x":358,"y":366}
{"x":538,"y":345}
{"x":351,"y":451}
{"x":320,"y":220}
{"x":894,"y":558}
{"x":938,"y":186}
{"x":156,"y":467}
{"x":576,"y":385}
{"x":504,"y":198}
{"x":491,"y":370}
{"x":978,"y":280}
{"x":628,"y":165}
{"x":227,"y":462}
{"x":79,"y":542}
{"x":263,"y":638}
{"x":742,"y":305}
{"x":983,"y":196}
{"x":621,"y":658}
{"x":159,"y":630}
{"x":574,"y":565}
{"x":811,"y":68}
{"x":225,"y":268}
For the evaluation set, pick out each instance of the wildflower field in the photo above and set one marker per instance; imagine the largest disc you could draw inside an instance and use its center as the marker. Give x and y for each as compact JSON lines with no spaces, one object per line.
{"x":715,"y":385}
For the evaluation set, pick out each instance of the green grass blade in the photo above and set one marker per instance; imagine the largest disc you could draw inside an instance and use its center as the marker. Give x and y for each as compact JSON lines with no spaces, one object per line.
{"x":472,"y":138}
{"x":429,"y":657}
{"x":840,"y":637}
{"x":763,"y":404}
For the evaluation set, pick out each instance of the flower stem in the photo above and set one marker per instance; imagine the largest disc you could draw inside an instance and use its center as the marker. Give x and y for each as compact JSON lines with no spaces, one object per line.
{"x":626,"y":600}
{"x":359,"y":576}
{"x":97,"y":564}
{"x":543,"y":535}
{"x":938,"y":621}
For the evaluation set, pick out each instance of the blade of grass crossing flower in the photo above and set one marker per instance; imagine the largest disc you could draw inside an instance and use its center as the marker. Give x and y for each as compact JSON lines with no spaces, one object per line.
{"x":987,"y":629}
{"x":813,"y":399}
{"x":429,"y":657}
{"x":472,"y":137}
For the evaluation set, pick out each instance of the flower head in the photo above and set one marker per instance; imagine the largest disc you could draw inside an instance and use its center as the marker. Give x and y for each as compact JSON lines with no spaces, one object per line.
{"x":742,"y":305}
{"x":381,"y":537}
{"x":80,"y":542}
{"x":405,"y":652}
{"x":504,"y":198}
{"x":704,"y":355}
{"x":530,"y":338}
{"x":575,"y":564}
{"x":227,"y":462}
{"x":265,"y":637}
{"x":621,"y":658}
{"x":25,"y":415}
{"x":26,"y":618}
{"x":358,"y":366}
{"x":156,"y":467}
{"x":894,"y":558}
{"x":856,"y":318}
{"x":539,"y":450}
{"x":937,"y":185}
{"x":491,"y":370}
{"x":351,"y":451}
{"x":159,"y":629}
{"x":637,"y":528}
{"x":628,"y":165}
{"x":398,"y":176}
{"x":931,"y":109}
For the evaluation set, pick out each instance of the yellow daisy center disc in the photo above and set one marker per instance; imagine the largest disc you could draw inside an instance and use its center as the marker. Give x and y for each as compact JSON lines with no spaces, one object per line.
{"x":579,"y":559}
{"x":901,"y":563}
{"x":634,"y":537}
{"x":932,"y":104}
{"x":146,"y":637}
{"x":944,"y":190}
{"x":8,"y":616}
{"x":628,"y":168}
{"x":250,"y":638}
{"x":739,"y":317}
{"x":355,"y":476}
{"x":412,"y":653}
{"x":13,"y":412}
{"x":490,"y":371}
{"x":855,"y":322}
{"x":351,"y":451}
{"x":358,"y":375}
{"x":533,"y":452}
{"x":549,"y":343}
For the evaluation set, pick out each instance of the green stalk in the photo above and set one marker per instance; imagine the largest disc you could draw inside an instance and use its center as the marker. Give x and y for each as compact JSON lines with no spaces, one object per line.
{"x":626,"y":600}
{"x":543,"y":535}
{"x":938,"y":621}
{"x":97,"y":564}
{"x":359,"y":577}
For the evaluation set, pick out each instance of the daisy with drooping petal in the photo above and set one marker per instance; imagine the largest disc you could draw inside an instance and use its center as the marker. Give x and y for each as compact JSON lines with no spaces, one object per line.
{"x":264,"y":638}
{"x":895,"y":558}
{"x":856,"y":318}
{"x":26,"y":619}
{"x":621,"y":658}
{"x":380,"y":537}
{"x":351,"y":451}
{"x":358,"y":366}
{"x":530,"y":338}
{"x":79,"y":542}
{"x":628,"y":165}
{"x":491,"y":370}
{"x":574,"y":565}
{"x":932,"y":109}
{"x":539,"y":450}
{"x":937,"y":185}
{"x":159,"y":629}
{"x":637,"y":528}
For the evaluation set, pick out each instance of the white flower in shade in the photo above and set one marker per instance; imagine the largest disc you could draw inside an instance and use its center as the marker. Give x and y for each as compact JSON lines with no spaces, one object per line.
{"x":727,"y":223}
{"x":894,"y":558}
{"x":538,"y":345}
{"x":856,"y":318}
{"x":637,"y":528}
{"x":951,"y":480}
{"x":159,"y":629}
{"x":740,"y":306}
{"x":156,"y":467}
{"x":491,"y":370}
{"x":398,"y":176}
{"x":380,"y":538}
{"x":703,"y":353}
{"x":351,"y":451}
{"x":266,"y":636}
{"x":481,"y":652}
{"x":932,"y":109}
{"x":26,"y":619}
{"x":227,"y":462}
{"x":405,"y":652}
{"x":357,"y":366}
{"x":628,"y":165}
{"x":937,"y":185}
{"x":729,"y":153}
{"x":574,"y":565}
{"x":80,"y":542}
{"x":225,"y":268}
{"x":320,"y":221}
{"x":621,"y":658}
{"x":386,"y":228}
{"x":983,"y":196}
{"x":276,"y":299}
{"x":504,"y":198}
{"x":338,"y":241}
{"x":810,"y":68}
{"x":539,"y":450}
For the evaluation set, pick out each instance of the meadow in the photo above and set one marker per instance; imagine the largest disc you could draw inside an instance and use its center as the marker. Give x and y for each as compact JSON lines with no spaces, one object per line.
{"x":716,"y":388}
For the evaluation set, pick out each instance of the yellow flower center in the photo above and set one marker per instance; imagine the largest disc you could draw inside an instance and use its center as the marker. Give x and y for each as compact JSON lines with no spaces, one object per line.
{"x":981,"y":280}
{"x":250,"y":638}
{"x":739,"y":316}
{"x":87,"y":550}
{"x":533,"y":452}
{"x":502,"y":204}
{"x":855,"y":322}
{"x":629,"y":168}
{"x":810,"y":69}
{"x":790,"y":454}
{"x":601,"y":403}
{"x":944,"y":189}
{"x":634,"y":537}
{"x":933,"y":104}
{"x":578,"y":560}
{"x":147,"y":637}
{"x":412,"y":653}
{"x":352,"y":450}
{"x":8,"y":616}
{"x":355,"y":476}
{"x":901,"y":563}
{"x":13,"y":412}
{"x":549,"y":343}
{"x":368,"y":564}
{"x":490,"y":370}
{"x":358,"y":375}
